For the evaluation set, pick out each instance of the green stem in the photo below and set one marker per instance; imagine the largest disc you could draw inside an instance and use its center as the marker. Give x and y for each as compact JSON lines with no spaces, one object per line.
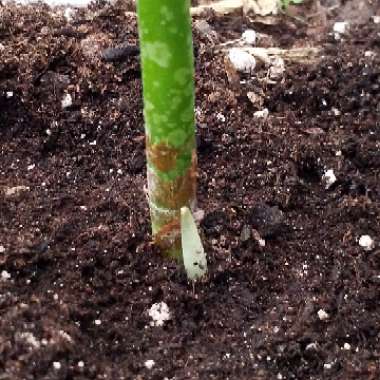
{"x":168,"y":89}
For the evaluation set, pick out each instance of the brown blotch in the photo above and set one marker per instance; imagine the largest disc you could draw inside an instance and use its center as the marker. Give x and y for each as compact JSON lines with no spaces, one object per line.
{"x":178,"y":192}
{"x":168,"y":239}
{"x":162,"y":156}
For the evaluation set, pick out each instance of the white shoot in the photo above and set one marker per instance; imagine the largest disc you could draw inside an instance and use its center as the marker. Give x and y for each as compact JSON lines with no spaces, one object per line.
{"x":194,"y":256}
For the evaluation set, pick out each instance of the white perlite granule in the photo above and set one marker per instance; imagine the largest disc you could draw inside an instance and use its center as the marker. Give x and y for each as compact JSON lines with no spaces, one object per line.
{"x":159,"y":312}
{"x":241,"y":60}
{"x":340,"y":27}
{"x":322,"y":315}
{"x":366,"y":242}
{"x":149,"y":364}
{"x":249,"y":36}
{"x":57,"y":365}
{"x":5,"y":275}
{"x":67,"y":101}
{"x":329,"y":178}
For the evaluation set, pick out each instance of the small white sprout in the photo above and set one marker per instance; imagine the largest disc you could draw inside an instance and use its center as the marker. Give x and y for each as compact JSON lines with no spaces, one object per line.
{"x":366,"y":242}
{"x":194,"y":256}
{"x":159,"y":312}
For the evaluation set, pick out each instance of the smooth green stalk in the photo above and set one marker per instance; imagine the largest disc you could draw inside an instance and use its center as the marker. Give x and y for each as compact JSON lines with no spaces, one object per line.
{"x":168,"y":90}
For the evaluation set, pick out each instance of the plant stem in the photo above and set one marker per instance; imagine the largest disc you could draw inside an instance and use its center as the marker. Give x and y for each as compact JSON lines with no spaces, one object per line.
{"x":168,"y":90}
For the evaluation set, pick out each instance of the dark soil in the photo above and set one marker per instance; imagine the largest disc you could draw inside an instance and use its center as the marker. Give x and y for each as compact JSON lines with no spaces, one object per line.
{"x":74,"y":224}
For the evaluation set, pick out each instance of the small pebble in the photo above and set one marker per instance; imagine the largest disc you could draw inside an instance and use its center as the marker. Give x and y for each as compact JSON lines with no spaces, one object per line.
{"x":221,"y":117}
{"x":263,"y":114}
{"x":30,"y":339}
{"x":81,"y":364}
{"x":31,"y":167}
{"x":347,"y":346}
{"x":2,"y":249}
{"x":5,"y":275}
{"x":68,"y":14}
{"x":327,"y":365}
{"x":329,"y":178}
{"x":205,"y":28}
{"x":245,"y":233}
{"x":149,"y":364}
{"x":15,"y":190}
{"x":67,"y":101}
{"x":9,"y":94}
{"x":376,"y":19}
{"x":249,"y":36}
{"x":335,"y":111}
{"x":277,"y":69}
{"x":369,"y":53}
{"x":255,"y":99}
{"x":57,"y":365}
{"x":98,"y":322}
{"x":261,"y":243}
{"x":267,"y":220}
{"x":322,"y":315}
{"x":339,"y":28}
{"x":366,"y":242}
{"x":312,"y":347}
{"x":241,"y":60}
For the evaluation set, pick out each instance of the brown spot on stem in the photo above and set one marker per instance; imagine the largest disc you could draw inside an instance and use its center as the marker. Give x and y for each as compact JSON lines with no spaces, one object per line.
{"x":176,"y":193}
{"x":167,"y":233}
{"x":162,"y":156}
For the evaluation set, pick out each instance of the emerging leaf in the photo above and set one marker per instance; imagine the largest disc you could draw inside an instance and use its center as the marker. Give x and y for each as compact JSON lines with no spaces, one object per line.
{"x":194,"y":256}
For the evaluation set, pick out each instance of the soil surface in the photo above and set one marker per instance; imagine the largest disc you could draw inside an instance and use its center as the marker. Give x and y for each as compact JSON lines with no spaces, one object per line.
{"x":290,"y":294}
